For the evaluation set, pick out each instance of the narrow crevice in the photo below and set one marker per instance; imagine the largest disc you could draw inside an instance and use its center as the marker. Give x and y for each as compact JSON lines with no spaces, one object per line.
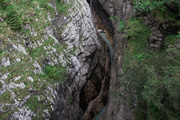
{"x":94,"y":94}
{"x":90,"y":90}
{"x":97,"y":8}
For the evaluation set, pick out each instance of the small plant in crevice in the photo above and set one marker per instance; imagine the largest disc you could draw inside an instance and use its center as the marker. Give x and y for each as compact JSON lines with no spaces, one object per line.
{"x":1,"y":52}
{"x":121,"y":25}
{"x":178,"y":36}
{"x":14,"y":21}
{"x":111,"y":18}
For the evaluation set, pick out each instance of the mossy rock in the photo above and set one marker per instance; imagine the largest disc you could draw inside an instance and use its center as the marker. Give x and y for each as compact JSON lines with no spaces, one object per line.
{"x":14,"y":21}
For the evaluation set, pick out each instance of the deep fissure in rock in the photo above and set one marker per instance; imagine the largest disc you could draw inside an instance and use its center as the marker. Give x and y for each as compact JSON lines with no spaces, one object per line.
{"x":93,"y":87}
{"x":97,"y":9}
{"x":94,"y":94}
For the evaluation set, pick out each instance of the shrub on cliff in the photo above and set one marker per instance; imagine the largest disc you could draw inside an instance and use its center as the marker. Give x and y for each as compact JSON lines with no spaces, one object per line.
{"x":56,"y":73}
{"x":14,"y":21}
{"x":152,"y":5}
{"x":134,"y":28}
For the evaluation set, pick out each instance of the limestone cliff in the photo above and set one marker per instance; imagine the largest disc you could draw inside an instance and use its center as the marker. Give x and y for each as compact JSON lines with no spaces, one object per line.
{"x":55,"y":36}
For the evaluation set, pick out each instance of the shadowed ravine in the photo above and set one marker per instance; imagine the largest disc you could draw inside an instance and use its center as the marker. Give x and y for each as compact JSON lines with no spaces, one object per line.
{"x":94,"y":94}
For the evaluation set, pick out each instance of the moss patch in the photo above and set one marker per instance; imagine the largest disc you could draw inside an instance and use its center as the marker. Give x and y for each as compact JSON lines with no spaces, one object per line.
{"x":170,"y":40}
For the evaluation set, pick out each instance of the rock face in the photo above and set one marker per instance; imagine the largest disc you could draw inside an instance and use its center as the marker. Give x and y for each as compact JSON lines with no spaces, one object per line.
{"x":156,"y":39}
{"x":79,"y":33}
{"x":67,"y":41}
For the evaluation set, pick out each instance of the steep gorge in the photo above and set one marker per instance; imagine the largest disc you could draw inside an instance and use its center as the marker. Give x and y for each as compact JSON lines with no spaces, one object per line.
{"x":121,"y":10}
{"x":63,"y":59}
{"x":94,"y":94}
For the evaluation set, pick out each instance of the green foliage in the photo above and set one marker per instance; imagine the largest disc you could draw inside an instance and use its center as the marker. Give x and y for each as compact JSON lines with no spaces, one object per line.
{"x":1,"y":53}
{"x":155,"y":80}
{"x":35,"y":13}
{"x":36,"y":106}
{"x":4,"y":4}
{"x":44,"y":4}
{"x":161,"y":9}
{"x":111,"y":18}
{"x":70,"y":98}
{"x":56,"y":73}
{"x":14,"y":21}
{"x":178,"y":36}
{"x":62,"y":7}
{"x":150,"y":77}
{"x":1,"y":85}
{"x":121,"y":25}
{"x":170,"y":40}
{"x":167,"y":15}
{"x":149,"y":5}
{"x":134,"y":29}
{"x":33,"y":103}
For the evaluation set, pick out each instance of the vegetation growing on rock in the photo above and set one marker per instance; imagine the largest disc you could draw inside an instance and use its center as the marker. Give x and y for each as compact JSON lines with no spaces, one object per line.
{"x":151,"y":76}
{"x":56,"y":73}
{"x":14,"y":21}
{"x":24,"y":46}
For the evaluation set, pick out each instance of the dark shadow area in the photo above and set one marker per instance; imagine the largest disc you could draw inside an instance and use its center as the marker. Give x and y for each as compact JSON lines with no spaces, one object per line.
{"x":97,"y":7}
